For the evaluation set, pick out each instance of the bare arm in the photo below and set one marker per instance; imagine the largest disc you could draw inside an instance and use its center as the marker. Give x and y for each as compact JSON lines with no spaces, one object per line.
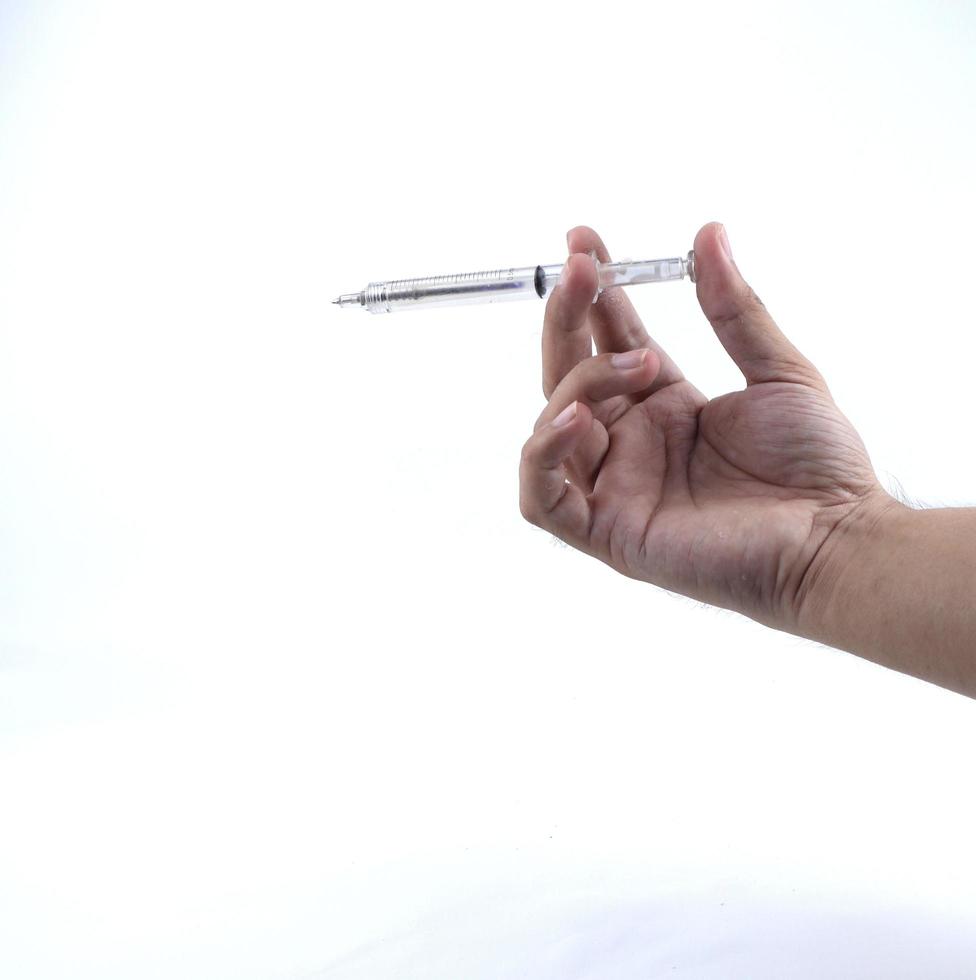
{"x":898,"y":586}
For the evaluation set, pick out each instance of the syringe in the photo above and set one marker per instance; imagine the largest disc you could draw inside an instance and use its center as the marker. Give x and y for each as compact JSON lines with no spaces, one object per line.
{"x":497,"y":285}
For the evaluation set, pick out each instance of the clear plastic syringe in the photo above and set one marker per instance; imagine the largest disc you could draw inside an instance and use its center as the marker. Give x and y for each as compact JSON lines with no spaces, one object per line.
{"x":497,"y":285}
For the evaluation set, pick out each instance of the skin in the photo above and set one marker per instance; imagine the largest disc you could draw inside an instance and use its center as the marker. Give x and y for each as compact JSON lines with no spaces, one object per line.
{"x":763,"y":500}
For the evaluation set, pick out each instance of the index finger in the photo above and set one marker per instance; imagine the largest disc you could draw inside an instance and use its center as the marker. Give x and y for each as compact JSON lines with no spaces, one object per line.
{"x":566,"y":336}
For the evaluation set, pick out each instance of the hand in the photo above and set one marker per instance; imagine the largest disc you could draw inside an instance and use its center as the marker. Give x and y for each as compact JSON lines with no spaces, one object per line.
{"x":729,"y":501}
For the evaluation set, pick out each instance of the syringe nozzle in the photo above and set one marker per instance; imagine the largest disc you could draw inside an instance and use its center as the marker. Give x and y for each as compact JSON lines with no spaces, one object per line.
{"x":348,"y":299}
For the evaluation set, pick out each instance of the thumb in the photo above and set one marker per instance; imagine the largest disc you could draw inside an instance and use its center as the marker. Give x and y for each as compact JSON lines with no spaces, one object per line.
{"x":740,"y":320}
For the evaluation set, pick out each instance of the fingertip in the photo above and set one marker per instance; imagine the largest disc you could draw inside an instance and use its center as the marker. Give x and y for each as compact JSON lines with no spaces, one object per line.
{"x":719,"y":284}
{"x":583,"y":238}
{"x":708,"y":243}
{"x":577,"y":236}
{"x":630,"y":370}
{"x":579,"y":276}
{"x":652,"y":363}
{"x":566,"y":417}
{"x":583,"y":413}
{"x":554,"y":441}
{"x":572,"y":415}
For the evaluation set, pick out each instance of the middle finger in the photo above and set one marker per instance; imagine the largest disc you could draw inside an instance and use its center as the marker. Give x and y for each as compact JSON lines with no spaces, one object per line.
{"x":614,"y":322}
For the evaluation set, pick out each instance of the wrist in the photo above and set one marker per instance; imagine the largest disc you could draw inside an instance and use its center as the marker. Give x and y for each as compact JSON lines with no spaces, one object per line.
{"x":841,"y":585}
{"x":896,"y":586}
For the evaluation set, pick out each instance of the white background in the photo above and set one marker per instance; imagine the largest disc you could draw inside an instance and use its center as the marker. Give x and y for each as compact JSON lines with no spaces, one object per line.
{"x":288,"y":688}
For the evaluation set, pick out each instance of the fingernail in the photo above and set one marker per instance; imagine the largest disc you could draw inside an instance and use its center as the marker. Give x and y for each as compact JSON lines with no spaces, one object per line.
{"x":723,"y":240}
{"x":565,"y":416}
{"x":629,"y":359}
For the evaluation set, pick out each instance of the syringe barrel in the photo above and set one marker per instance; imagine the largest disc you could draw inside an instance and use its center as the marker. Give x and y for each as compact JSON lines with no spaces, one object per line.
{"x":494,"y":286}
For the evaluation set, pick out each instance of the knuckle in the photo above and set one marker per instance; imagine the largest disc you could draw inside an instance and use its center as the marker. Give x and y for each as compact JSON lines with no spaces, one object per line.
{"x":753,"y":303}
{"x":792,"y":366}
{"x":742,"y":311}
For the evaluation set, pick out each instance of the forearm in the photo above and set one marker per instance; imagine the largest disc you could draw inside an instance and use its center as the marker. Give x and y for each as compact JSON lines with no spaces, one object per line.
{"x":898,"y":586}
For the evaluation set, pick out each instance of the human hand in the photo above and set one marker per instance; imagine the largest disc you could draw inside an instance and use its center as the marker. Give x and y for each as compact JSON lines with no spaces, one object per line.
{"x":729,"y":500}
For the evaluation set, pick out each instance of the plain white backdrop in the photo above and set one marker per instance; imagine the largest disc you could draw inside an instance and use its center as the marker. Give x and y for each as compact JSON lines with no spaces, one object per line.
{"x":288,"y":688}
